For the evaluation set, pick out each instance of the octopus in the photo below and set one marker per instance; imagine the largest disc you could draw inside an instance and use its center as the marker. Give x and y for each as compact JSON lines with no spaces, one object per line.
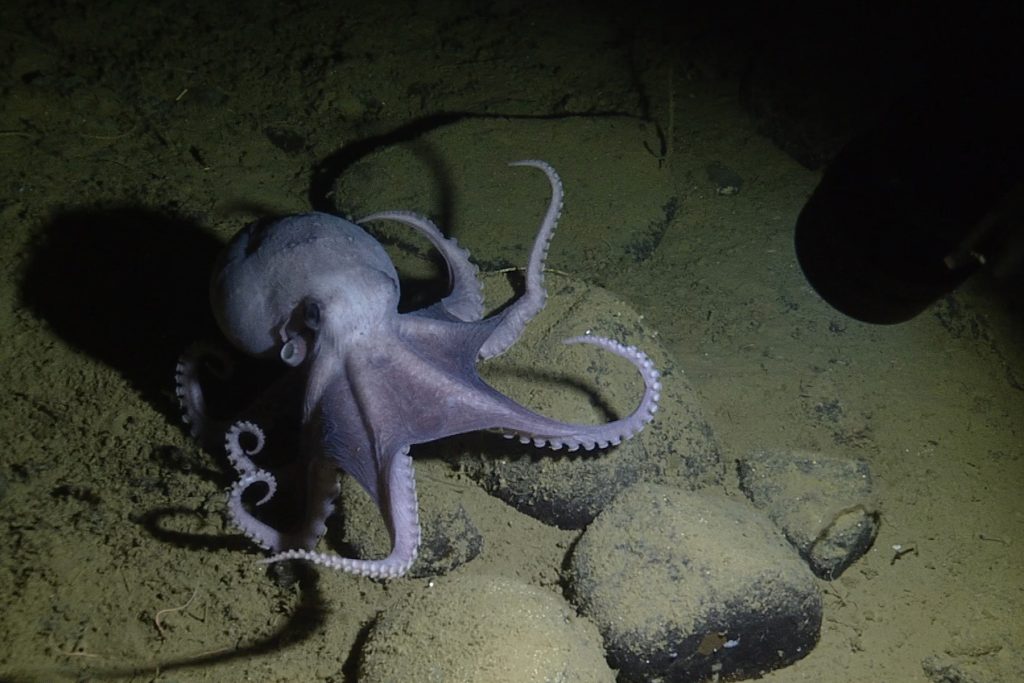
{"x":363,"y":381}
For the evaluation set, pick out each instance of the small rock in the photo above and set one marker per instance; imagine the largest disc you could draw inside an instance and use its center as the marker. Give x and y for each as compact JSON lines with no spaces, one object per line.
{"x":824,"y":506}
{"x":285,"y":139}
{"x":726,"y":181}
{"x":943,"y":669}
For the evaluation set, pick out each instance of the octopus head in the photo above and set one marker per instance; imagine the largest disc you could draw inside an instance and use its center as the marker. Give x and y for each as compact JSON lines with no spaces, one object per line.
{"x":279,"y":284}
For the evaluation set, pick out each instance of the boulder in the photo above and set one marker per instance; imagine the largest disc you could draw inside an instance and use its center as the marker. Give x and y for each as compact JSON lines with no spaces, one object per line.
{"x":580,"y":383}
{"x":486,"y":629}
{"x":689,"y":586}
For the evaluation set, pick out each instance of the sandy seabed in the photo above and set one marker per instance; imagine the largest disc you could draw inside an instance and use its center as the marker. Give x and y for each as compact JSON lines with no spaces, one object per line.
{"x":137,"y":138}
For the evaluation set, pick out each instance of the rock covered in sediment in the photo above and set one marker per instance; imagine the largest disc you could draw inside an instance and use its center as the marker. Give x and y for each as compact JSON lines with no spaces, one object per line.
{"x":685,"y":586}
{"x":825,"y":506}
{"x":580,"y":383}
{"x":483,"y":628}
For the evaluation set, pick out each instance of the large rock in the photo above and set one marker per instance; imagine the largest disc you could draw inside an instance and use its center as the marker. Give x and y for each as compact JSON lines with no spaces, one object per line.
{"x":482,"y":628}
{"x":687,"y":586}
{"x":580,"y":383}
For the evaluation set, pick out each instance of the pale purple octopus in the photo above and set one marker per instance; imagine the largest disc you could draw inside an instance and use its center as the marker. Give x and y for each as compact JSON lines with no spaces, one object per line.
{"x":322,"y":295}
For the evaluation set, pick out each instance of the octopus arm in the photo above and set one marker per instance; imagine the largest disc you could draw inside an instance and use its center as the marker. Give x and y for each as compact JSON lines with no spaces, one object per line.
{"x":533,"y":299}
{"x":530,"y":427}
{"x":204,"y":428}
{"x":398,"y":504}
{"x":465,"y":300}
{"x":320,"y":490}
{"x":432,"y":390}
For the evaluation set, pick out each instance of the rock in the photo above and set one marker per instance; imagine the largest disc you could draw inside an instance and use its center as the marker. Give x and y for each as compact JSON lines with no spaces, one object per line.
{"x":824,"y":506}
{"x":578,"y":383}
{"x":686,"y":586}
{"x":483,"y":628}
{"x":727,"y":182}
{"x":449,"y":536}
{"x":941,"y":669}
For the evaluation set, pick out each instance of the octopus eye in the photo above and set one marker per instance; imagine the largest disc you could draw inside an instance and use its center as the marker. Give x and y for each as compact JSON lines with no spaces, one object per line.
{"x":294,"y":351}
{"x":312,"y":317}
